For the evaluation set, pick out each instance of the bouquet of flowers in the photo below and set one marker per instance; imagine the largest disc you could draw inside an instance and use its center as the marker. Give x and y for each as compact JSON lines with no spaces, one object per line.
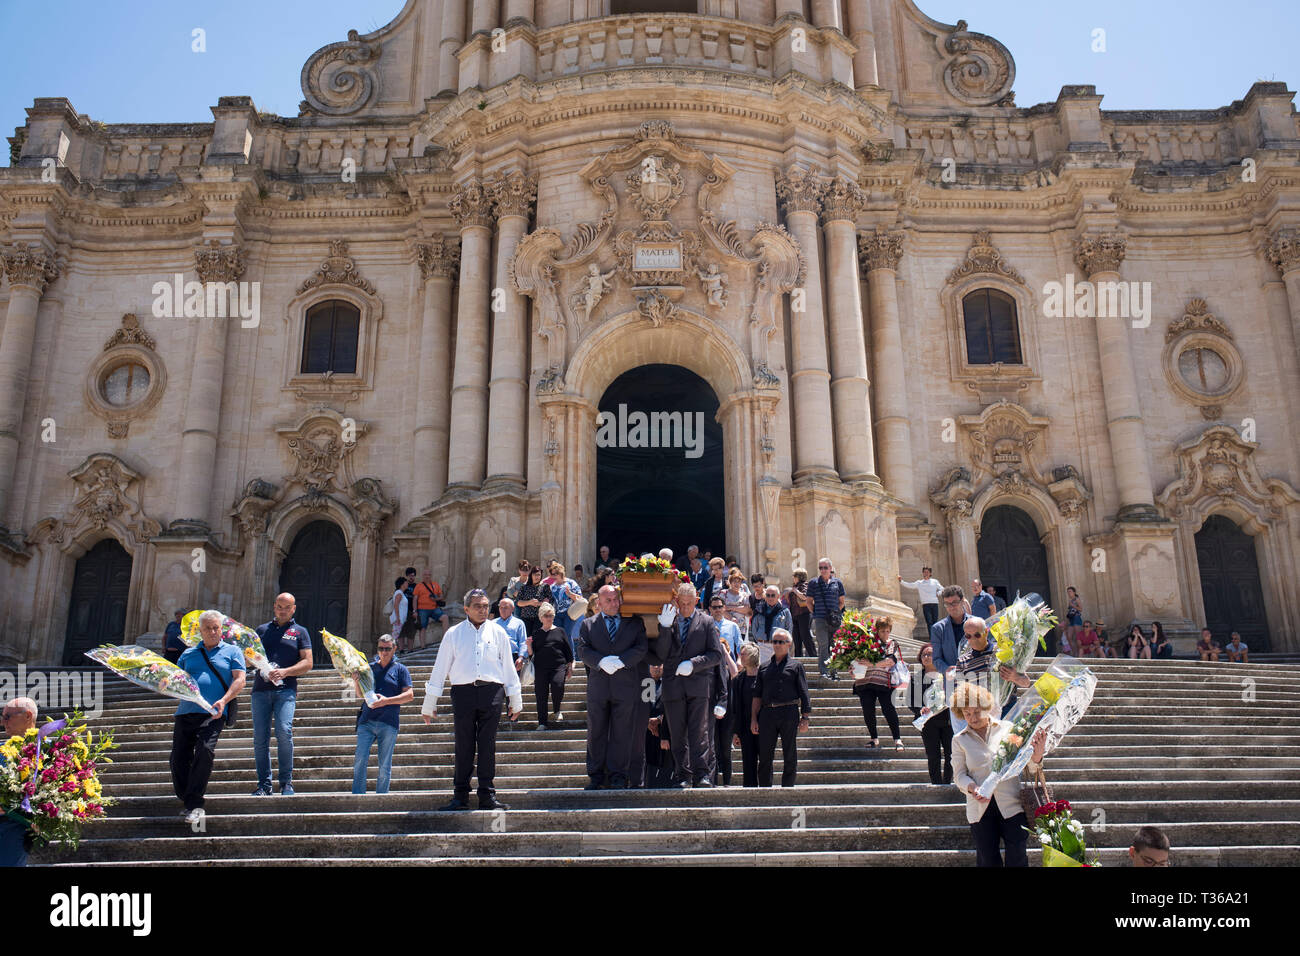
{"x":146,"y":669}
{"x":245,"y":638}
{"x":1061,"y":835}
{"x":934,"y":697}
{"x":350,"y":663}
{"x":49,"y":781}
{"x":649,"y":564}
{"x":1054,"y":705}
{"x":1018,"y":632}
{"x":855,"y":641}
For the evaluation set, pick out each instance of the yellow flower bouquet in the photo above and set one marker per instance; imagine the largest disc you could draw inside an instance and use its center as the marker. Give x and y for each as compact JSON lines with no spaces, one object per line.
{"x":350,"y":663}
{"x":146,"y":669}
{"x":245,"y":638}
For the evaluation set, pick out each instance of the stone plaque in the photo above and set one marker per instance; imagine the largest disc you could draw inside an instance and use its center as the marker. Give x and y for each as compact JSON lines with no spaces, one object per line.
{"x":656,"y":256}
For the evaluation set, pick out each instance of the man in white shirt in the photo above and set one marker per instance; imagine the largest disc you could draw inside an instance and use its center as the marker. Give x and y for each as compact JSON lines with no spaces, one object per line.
{"x":927,"y":588}
{"x":475,"y":656}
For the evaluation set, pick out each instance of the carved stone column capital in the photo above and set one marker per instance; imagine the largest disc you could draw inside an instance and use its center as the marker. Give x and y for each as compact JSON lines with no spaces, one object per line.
{"x":32,"y":266}
{"x":439,"y":257}
{"x":800,"y":190}
{"x":844,"y":199}
{"x":514,"y":193}
{"x":217,"y":263}
{"x":1100,"y":252}
{"x":1283,"y":250}
{"x":472,"y":204}
{"x":880,"y":249}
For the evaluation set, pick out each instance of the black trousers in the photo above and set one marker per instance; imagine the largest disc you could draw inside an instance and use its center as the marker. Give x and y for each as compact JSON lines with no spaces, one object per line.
{"x":636,"y":765}
{"x":869,"y":694}
{"x":549,"y":683}
{"x":804,"y":645}
{"x":689,"y":733}
{"x":748,"y":756}
{"x":937,"y":735}
{"x":194,"y":747}
{"x":992,"y":827}
{"x":610,"y":734}
{"x":722,"y":750}
{"x":774,"y":722}
{"x":476,"y":711}
{"x":931,"y":612}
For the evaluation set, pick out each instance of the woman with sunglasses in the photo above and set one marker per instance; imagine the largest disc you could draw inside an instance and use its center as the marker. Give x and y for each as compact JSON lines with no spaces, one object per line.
{"x":552,"y":665}
{"x":936,"y":734}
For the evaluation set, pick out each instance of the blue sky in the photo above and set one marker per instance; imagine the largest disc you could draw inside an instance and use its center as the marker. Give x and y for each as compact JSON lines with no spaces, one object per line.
{"x":130,"y":61}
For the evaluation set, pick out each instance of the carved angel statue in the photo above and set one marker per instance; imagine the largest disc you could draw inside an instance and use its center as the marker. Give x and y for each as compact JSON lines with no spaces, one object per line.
{"x":714,"y":283}
{"x":593,"y":289}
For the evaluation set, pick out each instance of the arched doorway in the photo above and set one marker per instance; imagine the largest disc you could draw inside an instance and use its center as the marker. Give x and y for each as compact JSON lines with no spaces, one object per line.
{"x":97,"y":609}
{"x":1011,"y":556}
{"x":659,"y":464}
{"x":316,"y":572}
{"x":1234,"y":599}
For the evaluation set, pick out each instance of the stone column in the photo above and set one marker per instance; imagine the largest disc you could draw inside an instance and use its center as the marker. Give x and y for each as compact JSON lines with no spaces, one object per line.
{"x":453,"y":37}
{"x":826,"y":14}
{"x":513,"y":197}
{"x":485,"y":16}
{"x":881,"y":252}
{"x":518,"y":10}
{"x":1099,"y":256}
{"x":961,"y":542}
{"x":196,"y":462}
{"x":802,"y":193}
{"x":858,"y":22}
{"x":438,"y":258}
{"x":29,"y":270}
{"x":1283,"y":250}
{"x":786,"y":8}
{"x":850,"y":387}
{"x":472,"y":207}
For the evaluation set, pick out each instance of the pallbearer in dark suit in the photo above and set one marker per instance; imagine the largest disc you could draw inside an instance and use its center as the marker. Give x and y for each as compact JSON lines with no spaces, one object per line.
{"x":688,"y":647}
{"x":781,"y":707}
{"x":612,"y":648}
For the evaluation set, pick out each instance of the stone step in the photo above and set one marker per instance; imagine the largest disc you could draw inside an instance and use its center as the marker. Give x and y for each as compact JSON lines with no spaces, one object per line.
{"x":202,"y":846}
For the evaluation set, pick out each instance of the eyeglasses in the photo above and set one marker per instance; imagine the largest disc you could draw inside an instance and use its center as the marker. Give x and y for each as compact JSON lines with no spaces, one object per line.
{"x":927,"y":654}
{"x":1150,"y":862}
{"x":780,"y":642}
{"x":385,"y":650}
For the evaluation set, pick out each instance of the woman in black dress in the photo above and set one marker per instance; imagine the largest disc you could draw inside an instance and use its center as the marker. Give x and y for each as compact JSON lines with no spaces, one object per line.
{"x":740,"y":703}
{"x":552,"y":664}
{"x":936,"y":733}
{"x":530,"y":596}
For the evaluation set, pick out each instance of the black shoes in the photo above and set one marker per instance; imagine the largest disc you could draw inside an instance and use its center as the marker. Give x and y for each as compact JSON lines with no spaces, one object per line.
{"x":491,"y":803}
{"x":618,"y":782}
{"x":456,"y":804}
{"x":595,"y":783}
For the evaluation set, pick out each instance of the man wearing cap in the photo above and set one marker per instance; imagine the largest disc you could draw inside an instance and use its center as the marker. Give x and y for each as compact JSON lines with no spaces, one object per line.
{"x":927,"y":588}
{"x":379,"y":721}
{"x":688,"y":648}
{"x":613,"y":649}
{"x":475,"y":656}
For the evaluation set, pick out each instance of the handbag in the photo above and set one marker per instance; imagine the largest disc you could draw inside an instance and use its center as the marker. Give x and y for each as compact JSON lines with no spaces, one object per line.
{"x":231,"y":714}
{"x":1035,"y":793}
{"x":528,"y":674}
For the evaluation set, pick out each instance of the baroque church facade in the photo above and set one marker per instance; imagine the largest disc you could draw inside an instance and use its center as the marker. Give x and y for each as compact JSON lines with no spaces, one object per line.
{"x":1048,"y":346}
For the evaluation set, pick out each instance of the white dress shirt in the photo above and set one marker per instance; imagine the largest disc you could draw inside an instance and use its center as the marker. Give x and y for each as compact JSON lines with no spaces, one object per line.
{"x":927,"y":588}
{"x":468,"y":654}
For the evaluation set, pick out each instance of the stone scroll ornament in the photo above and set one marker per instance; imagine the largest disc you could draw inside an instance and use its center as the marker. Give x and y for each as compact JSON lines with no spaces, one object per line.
{"x":1054,"y":704}
{"x":981,"y":70}
{"x":339,"y":80}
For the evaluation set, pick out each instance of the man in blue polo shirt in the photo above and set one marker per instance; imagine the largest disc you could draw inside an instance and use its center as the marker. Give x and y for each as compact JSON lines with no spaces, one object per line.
{"x":288,"y":647}
{"x":982,"y":604}
{"x":218,"y":670}
{"x":379,"y":721}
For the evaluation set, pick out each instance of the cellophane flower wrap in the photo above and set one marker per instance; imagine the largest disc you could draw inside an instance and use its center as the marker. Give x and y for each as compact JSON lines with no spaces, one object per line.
{"x":148,"y":670}
{"x":855,"y":640}
{"x":936,"y":698}
{"x":350,"y":663}
{"x":650,"y":565}
{"x":49,"y":780}
{"x":1053,"y":705}
{"x":245,"y":638}
{"x":1061,"y":836}
{"x":1018,"y":632}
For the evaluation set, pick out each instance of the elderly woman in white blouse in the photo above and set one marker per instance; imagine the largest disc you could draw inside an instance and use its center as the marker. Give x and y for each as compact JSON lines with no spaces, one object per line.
{"x":1001,"y":819}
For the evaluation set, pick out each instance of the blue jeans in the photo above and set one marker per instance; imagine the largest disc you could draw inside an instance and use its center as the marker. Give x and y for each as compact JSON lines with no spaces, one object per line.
{"x":434,"y":614}
{"x":571,"y":628}
{"x":280,"y":704}
{"x":368,"y":731}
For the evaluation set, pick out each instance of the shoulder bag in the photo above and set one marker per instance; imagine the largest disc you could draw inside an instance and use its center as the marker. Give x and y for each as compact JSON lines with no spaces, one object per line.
{"x":231,"y":714}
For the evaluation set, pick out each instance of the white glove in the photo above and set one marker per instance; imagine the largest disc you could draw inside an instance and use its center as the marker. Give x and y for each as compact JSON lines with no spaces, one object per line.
{"x":610,"y":664}
{"x":668,"y":615}
{"x":685,"y":668}
{"x":720,"y":711}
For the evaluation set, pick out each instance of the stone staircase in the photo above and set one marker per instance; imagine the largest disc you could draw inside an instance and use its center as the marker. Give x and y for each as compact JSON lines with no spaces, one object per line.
{"x":1209,"y":752}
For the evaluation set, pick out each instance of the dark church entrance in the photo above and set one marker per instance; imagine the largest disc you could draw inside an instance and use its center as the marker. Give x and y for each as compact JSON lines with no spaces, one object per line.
{"x":97,"y":610}
{"x":1234,"y":600}
{"x":316,"y":572}
{"x":659,"y":464}
{"x":1011,"y":556}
